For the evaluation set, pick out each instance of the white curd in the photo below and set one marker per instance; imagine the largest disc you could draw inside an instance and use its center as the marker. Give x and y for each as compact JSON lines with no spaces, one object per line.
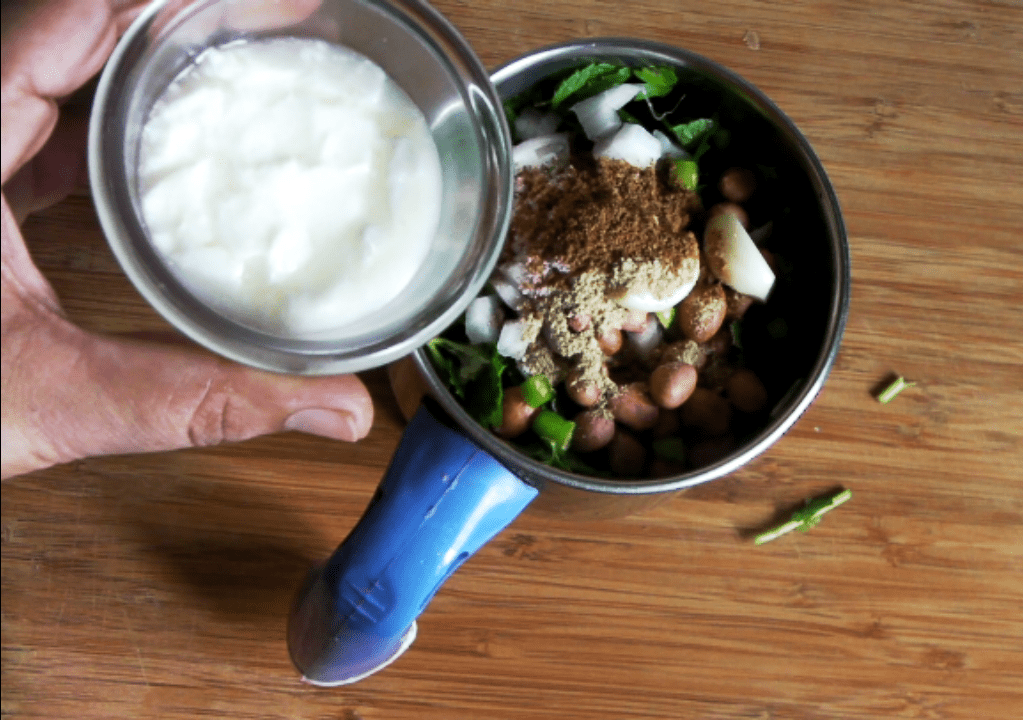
{"x":290,"y":183}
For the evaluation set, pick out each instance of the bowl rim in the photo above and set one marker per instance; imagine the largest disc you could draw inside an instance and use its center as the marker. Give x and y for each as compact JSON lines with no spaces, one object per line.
{"x":262,"y":350}
{"x":790,"y":408}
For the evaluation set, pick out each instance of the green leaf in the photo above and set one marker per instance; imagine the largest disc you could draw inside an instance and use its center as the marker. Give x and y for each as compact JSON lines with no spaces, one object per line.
{"x":691,"y":133}
{"x":735,"y":328}
{"x":461,"y":363}
{"x":628,"y":117}
{"x":549,"y":454}
{"x":659,"y":81}
{"x":672,"y":449}
{"x":589,"y":81}
{"x":485,"y":400}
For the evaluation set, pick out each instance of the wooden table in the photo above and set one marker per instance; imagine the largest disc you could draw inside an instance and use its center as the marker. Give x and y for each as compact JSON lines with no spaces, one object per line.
{"x":158,"y":586}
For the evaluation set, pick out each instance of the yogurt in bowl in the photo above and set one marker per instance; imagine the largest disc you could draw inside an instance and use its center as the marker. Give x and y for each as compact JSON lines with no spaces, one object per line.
{"x":290,"y":183}
{"x":282,"y":212}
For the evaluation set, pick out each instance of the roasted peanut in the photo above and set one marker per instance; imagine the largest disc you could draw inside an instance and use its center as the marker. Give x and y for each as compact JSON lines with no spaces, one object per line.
{"x":579,"y":323}
{"x":610,"y":340}
{"x":746,"y":392}
{"x":583,"y":390}
{"x":626,"y":455}
{"x":731,"y":208}
{"x":635,"y":321}
{"x":737,"y":184}
{"x":516,"y":414}
{"x":707,"y":411}
{"x":667,"y":424}
{"x":593,"y":430}
{"x":687,"y":351}
{"x":671,"y":384}
{"x":632,"y":406}
{"x":719,"y":344}
{"x":711,"y":450}
{"x":736,"y":304}
{"x":700,"y":315}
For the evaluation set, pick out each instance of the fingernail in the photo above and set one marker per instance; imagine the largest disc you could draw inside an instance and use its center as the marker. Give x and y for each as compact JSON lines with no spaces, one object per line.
{"x":336,"y":424}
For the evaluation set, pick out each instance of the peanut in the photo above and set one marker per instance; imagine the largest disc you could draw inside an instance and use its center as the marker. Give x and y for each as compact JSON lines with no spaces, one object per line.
{"x":626,"y":455}
{"x":593,"y":430}
{"x":700,"y":315}
{"x":707,"y":411}
{"x":746,"y":392}
{"x":671,"y":384}
{"x":737,"y":184}
{"x":632,"y":407}
{"x":516,"y":414}
{"x":581,"y":389}
{"x":610,"y":341}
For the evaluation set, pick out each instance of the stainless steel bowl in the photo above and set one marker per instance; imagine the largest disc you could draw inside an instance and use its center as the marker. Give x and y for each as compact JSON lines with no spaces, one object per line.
{"x":426,"y":56}
{"x":812,"y":235}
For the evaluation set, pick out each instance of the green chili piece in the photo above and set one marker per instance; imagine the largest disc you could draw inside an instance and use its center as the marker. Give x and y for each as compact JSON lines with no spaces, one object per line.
{"x":554,"y":429}
{"x":671,"y":449}
{"x":687,"y":173}
{"x":537,"y":390}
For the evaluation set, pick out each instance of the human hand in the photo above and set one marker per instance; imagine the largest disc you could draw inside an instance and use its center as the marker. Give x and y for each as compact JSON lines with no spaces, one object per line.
{"x":70,"y":394}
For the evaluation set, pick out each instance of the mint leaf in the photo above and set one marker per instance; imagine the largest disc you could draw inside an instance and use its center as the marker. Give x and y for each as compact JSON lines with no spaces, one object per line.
{"x":659,"y":81}
{"x":694,"y":133}
{"x":485,"y":400}
{"x":589,"y":81}
{"x":458,"y":362}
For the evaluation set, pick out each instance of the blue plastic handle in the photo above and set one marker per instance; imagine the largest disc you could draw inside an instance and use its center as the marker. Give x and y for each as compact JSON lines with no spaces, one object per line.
{"x":440,"y":501}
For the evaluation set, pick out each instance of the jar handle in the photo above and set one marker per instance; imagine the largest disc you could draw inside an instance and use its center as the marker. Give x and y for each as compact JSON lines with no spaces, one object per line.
{"x":441,"y":500}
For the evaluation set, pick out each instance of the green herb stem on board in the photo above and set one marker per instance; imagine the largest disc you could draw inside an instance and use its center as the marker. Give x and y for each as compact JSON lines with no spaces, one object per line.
{"x":897,"y":386}
{"x":805,"y":518}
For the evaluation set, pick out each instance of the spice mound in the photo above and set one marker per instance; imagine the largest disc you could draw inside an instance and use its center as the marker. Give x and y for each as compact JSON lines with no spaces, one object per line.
{"x":588,"y":241}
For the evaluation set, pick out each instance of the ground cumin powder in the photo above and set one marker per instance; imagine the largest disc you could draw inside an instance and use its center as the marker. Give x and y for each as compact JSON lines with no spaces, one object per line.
{"x":595,"y":213}
{"x":587,"y":234}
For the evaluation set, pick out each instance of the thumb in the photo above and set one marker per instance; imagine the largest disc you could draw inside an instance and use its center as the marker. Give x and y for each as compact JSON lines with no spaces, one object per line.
{"x":69,"y":394}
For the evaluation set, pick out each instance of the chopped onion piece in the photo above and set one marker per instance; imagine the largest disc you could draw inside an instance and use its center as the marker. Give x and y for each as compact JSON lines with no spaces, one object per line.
{"x":508,"y":292}
{"x":599,"y":114}
{"x":512,"y":341}
{"x":533,"y":123}
{"x":643,"y":343}
{"x":514,"y":272}
{"x":632,"y":143}
{"x":669,"y":149}
{"x":735,"y":259}
{"x":541,"y":151}
{"x":646,"y":301}
{"x":483,"y":319}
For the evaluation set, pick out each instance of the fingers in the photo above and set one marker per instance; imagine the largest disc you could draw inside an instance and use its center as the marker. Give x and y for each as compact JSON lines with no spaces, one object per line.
{"x":57,"y":169}
{"x":69,"y":395}
{"x":35,"y":74}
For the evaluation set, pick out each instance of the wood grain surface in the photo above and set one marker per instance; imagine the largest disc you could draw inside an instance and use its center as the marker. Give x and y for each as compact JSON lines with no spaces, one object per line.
{"x":158,"y":586}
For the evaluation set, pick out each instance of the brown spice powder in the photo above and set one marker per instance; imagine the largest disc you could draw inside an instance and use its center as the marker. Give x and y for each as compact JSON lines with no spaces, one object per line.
{"x":593,"y":214}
